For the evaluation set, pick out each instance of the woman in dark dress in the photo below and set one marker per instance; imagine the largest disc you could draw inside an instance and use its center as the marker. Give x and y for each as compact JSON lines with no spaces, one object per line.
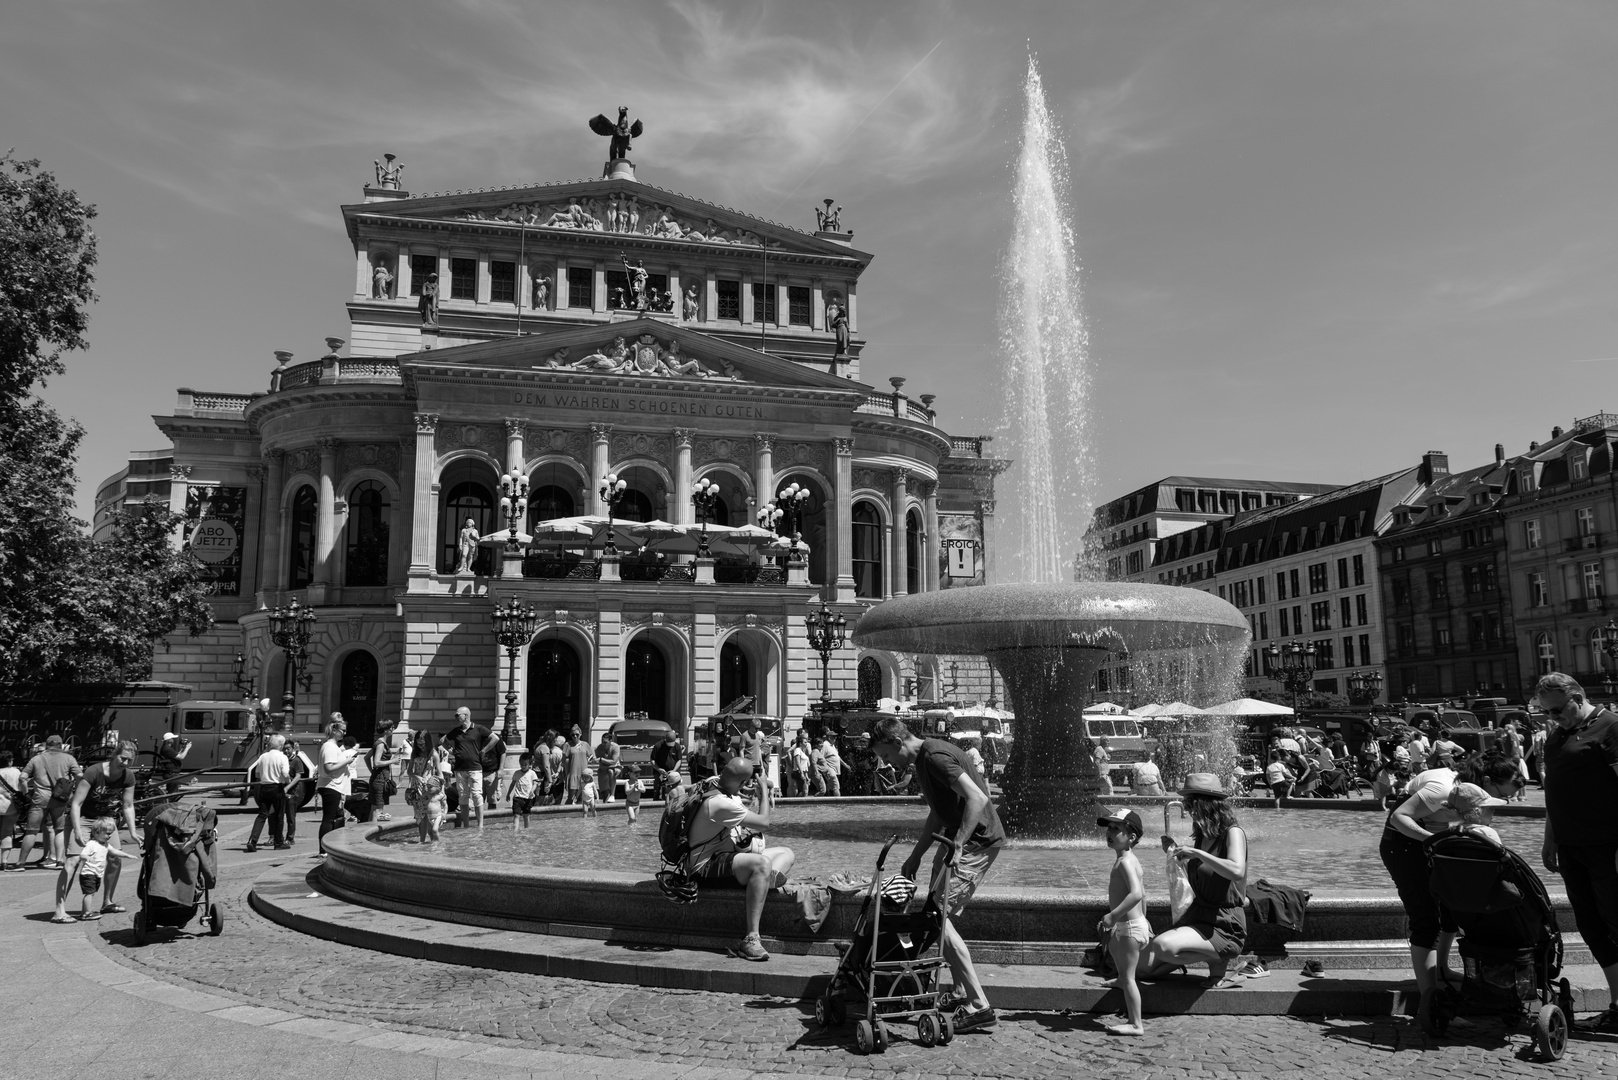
{"x":1214,"y":928}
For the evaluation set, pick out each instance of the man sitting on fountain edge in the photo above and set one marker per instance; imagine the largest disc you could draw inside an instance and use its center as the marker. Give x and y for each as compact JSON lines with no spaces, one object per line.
{"x":727,"y":848}
{"x":959,"y":807}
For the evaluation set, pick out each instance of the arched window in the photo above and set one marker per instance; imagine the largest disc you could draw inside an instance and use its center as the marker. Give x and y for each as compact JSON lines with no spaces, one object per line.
{"x":913,"y":547}
{"x":555,"y":688}
{"x":1544,"y":654}
{"x":357,"y":690}
{"x":867,"y":530}
{"x":870,"y":681}
{"x":301,"y":553}
{"x":735,"y":673}
{"x":646,"y":687}
{"x":468,"y":499}
{"x":635,"y":506}
{"x":549,"y":503}
{"x":366,"y":562}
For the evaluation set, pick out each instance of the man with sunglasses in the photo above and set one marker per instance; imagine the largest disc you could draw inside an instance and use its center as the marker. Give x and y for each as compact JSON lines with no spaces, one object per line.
{"x":1581,"y":822}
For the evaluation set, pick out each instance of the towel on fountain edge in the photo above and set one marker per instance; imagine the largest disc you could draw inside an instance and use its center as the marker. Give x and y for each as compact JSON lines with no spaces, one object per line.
{"x":1277,"y":905}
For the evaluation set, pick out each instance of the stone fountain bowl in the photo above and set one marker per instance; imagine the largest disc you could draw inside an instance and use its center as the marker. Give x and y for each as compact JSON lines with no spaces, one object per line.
{"x":991,"y":618}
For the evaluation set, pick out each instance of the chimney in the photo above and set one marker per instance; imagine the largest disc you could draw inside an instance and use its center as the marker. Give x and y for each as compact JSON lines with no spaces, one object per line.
{"x":1499,"y":453}
{"x":1532,"y":446}
{"x":1434,"y":464}
{"x":1556,"y":433}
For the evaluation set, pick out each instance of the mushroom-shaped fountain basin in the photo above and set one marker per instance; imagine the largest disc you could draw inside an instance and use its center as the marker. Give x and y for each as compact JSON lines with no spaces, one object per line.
{"x":1048,"y":641}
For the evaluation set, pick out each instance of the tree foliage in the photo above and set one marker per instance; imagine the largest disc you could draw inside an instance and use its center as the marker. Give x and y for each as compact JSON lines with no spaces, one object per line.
{"x":71,"y":610}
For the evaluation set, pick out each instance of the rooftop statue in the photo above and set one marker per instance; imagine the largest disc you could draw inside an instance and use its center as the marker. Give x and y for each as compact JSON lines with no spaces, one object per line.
{"x":387,"y":176}
{"x":620,"y":133}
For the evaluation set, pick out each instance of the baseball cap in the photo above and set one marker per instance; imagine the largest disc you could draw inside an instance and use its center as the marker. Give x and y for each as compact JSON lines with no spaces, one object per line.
{"x":167,"y":735}
{"x":54,"y":742}
{"x":1124,"y":819}
{"x":1465,"y":798}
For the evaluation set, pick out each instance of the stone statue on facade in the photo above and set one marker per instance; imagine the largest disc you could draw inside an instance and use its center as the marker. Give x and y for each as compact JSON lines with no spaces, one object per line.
{"x":387,"y":176}
{"x":557,"y":359}
{"x":692,"y":306}
{"x":381,"y":278}
{"x":637,"y":281}
{"x":620,"y":133}
{"x":829,"y":220}
{"x":574,"y":217}
{"x":665,"y":227}
{"x":542,"y":291}
{"x":837,"y":322}
{"x":613,"y":359}
{"x":676,"y":364}
{"x":428,"y":304}
{"x":468,"y":547}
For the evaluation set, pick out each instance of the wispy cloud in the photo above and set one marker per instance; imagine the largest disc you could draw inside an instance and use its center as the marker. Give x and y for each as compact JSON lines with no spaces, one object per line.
{"x":1110,"y":123}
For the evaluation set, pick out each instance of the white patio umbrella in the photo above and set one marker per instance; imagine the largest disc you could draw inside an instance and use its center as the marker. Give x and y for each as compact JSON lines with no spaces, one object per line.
{"x":1106,"y":708}
{"x":1249,"y":707}
{"x":587,"y":530}
{"x":1179,"y":708}
{"x":500,"y":536}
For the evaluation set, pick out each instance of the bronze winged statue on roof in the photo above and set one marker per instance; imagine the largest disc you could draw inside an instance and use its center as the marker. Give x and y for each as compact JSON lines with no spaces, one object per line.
{"x":620,"y":133}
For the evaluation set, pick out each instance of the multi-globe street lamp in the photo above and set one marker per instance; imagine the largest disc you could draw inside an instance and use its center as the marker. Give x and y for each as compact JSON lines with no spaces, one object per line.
{"x":705,"y":497}
{"x":612,"y":490}
{"x":514,"y":624}
{"x":1293,"y":664}
{"x":513,"y":503}
{"x":791,"y":500}
{"x":290,"y":629}
{"x":1609,"y":645}
{"x":827,"y":629}
{"x":1364,"y":687}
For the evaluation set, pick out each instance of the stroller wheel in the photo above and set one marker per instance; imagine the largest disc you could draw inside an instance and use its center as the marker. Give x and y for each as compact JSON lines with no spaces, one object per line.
{"x":864,"y":1037}
{"x":216,"y":920}
{"x":140,"y":928}
{"x":927,"y":1029}
{"x":947,"y":1035}
{"x":822,"y":1012}
{"x":1550,"y":1032}
{"x":882,"y":1034}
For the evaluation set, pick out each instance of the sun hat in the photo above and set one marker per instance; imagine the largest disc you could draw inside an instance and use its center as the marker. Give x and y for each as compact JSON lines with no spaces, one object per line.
{"x":1465,"y":798}
{"x":1124,"y":819}
{"x":1203,"y":783}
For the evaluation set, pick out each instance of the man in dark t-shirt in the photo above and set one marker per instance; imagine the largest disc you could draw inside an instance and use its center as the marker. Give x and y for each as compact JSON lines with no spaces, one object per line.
{"x":1581,"y":828}
{"x":959,"y":807}
{"x":467,"y":743}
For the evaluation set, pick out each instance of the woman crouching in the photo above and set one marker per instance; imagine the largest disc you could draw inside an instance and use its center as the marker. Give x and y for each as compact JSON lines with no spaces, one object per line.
{"x":1214,"y":928}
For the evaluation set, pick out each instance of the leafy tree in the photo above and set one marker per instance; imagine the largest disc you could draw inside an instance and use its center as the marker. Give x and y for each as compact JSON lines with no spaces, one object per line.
{"x":70,"y":610}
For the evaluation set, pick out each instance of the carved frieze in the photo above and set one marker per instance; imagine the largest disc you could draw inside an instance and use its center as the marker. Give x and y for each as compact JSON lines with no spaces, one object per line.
{"x":735,"y":451}
{"x":647,"y":355}
{"x":868,"y":478}
{"x":626,"y":444}
{"x":810,"y":455}
{"x":479,"y":436}
{"x":384,"y":456}
{"x":304,"y":459}
{"x":618,"y":212}
{"x":572,"y":442}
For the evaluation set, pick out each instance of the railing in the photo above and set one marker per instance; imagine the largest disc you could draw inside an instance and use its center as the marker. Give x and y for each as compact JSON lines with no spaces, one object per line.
{"x":208,"y":401}
{"x":333,"y":369}
{"x":367,"y":369}
{"x":1585,"y":604}
{"x":896,"y":405}
{"x":553,"y":569}
{"x":918,"y":411}
{"x":749,"y":574}
{"x":1587,"y":542}
{"x":968,"y":445}
{"x":301,"y":375}
{"x":1599,"y":420}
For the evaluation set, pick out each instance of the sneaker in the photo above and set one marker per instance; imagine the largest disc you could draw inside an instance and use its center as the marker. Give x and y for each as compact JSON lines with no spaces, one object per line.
{"x":1314,"y":968}
{"x":250,"y":848}
{"x":48,"y":864}
{"x":982,"y":1020}
{"x":282,"y":847}
{"x":1604,"y":1022}
{"x":750,"y":948}
{"x":383,"y":817}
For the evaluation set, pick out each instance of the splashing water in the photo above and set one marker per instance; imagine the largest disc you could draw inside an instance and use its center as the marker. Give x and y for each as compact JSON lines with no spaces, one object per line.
{"x":1047,"y":345}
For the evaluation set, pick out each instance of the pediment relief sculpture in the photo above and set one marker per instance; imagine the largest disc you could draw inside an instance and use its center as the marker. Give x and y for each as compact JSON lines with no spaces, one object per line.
{"x":644,"y":356}
{"x":617,"y":213}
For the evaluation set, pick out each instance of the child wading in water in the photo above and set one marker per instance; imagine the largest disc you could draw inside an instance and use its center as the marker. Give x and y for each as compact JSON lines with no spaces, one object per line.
{"x":1126,"y":919}
{"x":632,"y":793}
{"x":522,"y":791}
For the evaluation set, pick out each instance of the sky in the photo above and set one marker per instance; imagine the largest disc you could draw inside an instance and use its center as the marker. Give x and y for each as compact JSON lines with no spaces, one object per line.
{"x":1317,"y":238}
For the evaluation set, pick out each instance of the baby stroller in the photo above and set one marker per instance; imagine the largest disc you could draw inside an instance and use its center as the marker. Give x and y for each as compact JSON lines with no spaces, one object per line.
{"x":1510,"y":944}
{"x":178,"y":869}
{"x":890,"y":968}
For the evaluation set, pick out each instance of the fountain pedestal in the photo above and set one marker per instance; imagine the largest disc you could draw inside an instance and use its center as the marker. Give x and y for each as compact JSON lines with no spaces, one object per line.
{"x":1050,"y":786}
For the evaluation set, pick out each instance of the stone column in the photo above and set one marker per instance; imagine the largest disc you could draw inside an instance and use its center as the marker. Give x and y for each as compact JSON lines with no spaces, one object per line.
{"x":401,"y":273}
{"x":481,"y":290}
{"x":853,"y":310}
{"x":901,"y":550}
{"x":273,"y":521}
{"x":684,"y":512}
{"x":763,"y":468}
{"x":514,"y":437}
{"x":326,"y":514}
{"x":600,"y":298}
{"x":710,"y":295}
{"x":817,"y":304}
{"x":422,"y":509}
{"x":679,"y":300}
{"x":842,"y":524}
{"x":929,"y":574}
{"x":362,"y":272}
{"x":400,"y":526}
{"x":748,"y":314}
{"x":600,"y":462}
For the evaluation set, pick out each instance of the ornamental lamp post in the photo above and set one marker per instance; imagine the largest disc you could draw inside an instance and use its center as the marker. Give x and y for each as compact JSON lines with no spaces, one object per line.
{"x":290,"y":629}
{"x":705,"y":497}
{"x":827,"y":629}
{"x":1293,"y":664}
{"x":514,"y":624}
{"x":612,"y":493}
{"x":791,"y":500}
{"x":1364,"y":687}
{"x":769,"y":515}
{"x":513,"y":504}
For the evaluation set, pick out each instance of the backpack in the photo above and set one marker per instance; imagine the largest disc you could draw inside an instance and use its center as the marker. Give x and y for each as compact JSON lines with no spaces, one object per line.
{"x":674,"y":838}
{"x":62,"y":788}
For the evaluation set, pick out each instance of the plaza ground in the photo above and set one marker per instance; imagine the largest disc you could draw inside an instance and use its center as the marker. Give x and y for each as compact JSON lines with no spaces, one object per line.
{"x":265,"y":1001}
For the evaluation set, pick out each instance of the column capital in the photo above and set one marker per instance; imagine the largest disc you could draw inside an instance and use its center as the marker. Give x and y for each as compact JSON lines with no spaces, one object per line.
{"x":683,"y":437}
{"x":179,"y":472}
{"x":327,"y":445}
{"x":515,"y":427}
{"x":900,"y":475}
{"x":986,"y":508}
{"x":275,"y":455}
{"x":256,"y":473}
{"x":843,"y":447}
{"x":426,"y":423}
{"x":924,"y":487}
{"x":765,"y":443}
{"x":600,"y":432}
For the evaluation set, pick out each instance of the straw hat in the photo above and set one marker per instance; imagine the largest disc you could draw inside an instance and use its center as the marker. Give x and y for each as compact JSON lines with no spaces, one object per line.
{"x":1203,"y":783}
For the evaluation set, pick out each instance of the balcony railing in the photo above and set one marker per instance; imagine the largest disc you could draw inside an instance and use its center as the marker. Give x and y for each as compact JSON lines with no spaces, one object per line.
{"x":896,"y":405}
{"x":968,"y":445}
{"x":1587,"y":542}
{"x":337,"y":369}
{"x":1583,"y":604}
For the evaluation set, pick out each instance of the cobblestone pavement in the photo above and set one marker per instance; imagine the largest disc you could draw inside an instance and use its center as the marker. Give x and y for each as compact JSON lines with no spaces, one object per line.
{"x":259,"y":962}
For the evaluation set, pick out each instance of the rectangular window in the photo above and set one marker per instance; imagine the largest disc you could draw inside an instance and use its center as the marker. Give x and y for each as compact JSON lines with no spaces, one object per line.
{"x":764,"y":302}
{"x":1359,"y":569}
{"x":1399,"y":553}
{"x":1441,"y":633}
{"x":1472,"y":576}
{"x":1317,"y":578}
{"x":1539,"y":593}
{"x":1342,"y":573}
{"x":730,"y":298}
{"x":1437,"y":587}
{"x":618,"y":296}
{"x":1137,"y":562}
{"x":1345,"y":611}
{"x":1477,"y":635}
{"x":1531,"y":533}
{"x":1297,"y":619}
{"x":1348,"y":652}
{"x":1264,"y":626}
{"x":1185,"y":499}
{"x":798,"y":305}
{"x":420,"y":267}
{"x":1365,"y":649}
{"x":1587,"y":521}
{"x":463,"y":279}
{"x":1293,"y":579}
{"x":1280,"y":586}
{"x":581,"y":287}
{"x":1360,"y":617}
{"x":1493,"y":619}
{"x":1401,"y":592}
{"x":1284,"y":624}
{"x":1261,"y":591}
{"x":1486,"y":534}
{"x":1320,"y":615}
{"x":1580,"y":466}
{"x":1407,"y":639}
{"x":1593,"y":589}
{"x":502,"y":282}
{"x":1323,"y":655}
{"x":1434,"y":546}
{"x":1491,"y":578}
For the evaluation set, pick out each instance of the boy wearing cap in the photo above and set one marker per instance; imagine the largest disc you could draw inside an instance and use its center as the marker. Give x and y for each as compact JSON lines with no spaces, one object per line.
{"x":1125,"y":920}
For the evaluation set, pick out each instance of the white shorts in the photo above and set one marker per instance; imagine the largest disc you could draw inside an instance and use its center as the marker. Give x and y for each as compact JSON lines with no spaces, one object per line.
{"x":469,"y":783}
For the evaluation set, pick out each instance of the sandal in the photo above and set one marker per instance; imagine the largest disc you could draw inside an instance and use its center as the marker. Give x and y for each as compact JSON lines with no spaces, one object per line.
{"x":62,"y":920}
{"x":89,"y":916}
{"x":113,"y":909}
{"x":1226,"y":983}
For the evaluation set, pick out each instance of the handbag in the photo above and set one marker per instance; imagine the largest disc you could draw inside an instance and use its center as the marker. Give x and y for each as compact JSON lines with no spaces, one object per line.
{"x":20,"y":800}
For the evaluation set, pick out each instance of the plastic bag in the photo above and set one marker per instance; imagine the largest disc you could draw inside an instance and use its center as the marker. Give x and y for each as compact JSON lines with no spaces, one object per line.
{"x":1179,"y":886}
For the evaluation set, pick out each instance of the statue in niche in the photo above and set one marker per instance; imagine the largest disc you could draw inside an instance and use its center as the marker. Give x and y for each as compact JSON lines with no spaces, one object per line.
{"x":631,"y":211}
{"x":620,"y":133}
{"x":428,"y":304}
{"x":387,"y":176}
{"x":691,"y":304}
{"x":614,"y":359}
{"x":637,"y":280}
{"x":381,"y":278}
{"x":837,"y":322}
{"x":468,"y":547}
{"x":542,"y":290}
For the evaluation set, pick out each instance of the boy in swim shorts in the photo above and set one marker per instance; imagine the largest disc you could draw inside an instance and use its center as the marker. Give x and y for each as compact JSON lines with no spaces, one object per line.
{"x":1125,"y":920}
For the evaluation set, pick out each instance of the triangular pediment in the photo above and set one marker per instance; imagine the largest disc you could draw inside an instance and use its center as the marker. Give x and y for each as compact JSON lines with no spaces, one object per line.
{"x":612,"y":206}
{"x":645,"y":349}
